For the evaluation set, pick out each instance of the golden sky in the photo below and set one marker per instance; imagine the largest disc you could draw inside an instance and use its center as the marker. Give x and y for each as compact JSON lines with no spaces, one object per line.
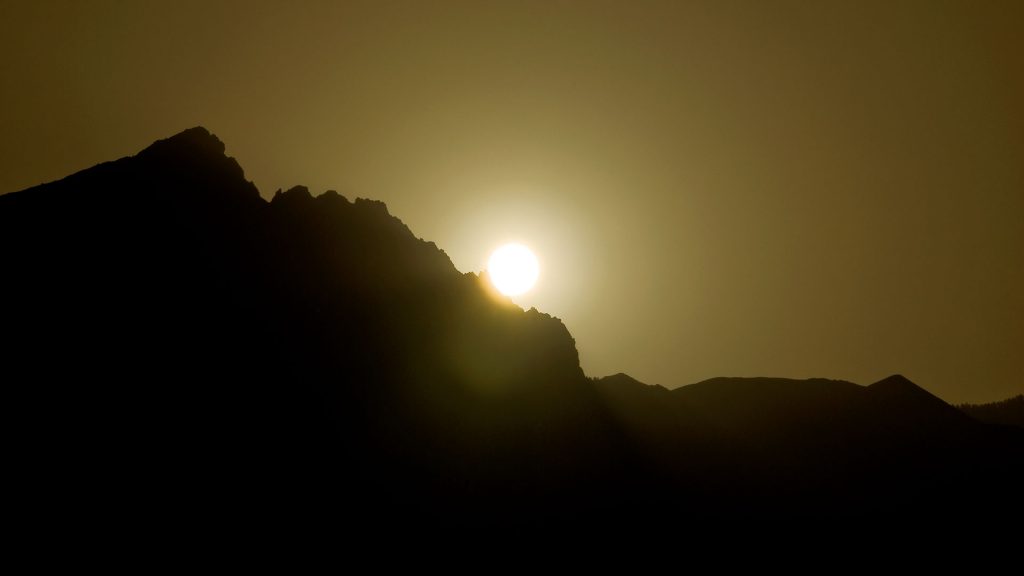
{"x":713,"y":188}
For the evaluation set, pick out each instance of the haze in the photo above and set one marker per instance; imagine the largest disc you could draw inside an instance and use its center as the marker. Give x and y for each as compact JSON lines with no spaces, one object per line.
{"x":724,"y":188}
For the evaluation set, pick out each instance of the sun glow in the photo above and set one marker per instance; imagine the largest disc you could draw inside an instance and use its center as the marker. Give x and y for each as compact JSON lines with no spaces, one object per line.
{"x":513,"y":269}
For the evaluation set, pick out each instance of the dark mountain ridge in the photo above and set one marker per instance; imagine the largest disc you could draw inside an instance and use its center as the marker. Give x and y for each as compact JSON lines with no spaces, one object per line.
{"x":165,"y":323}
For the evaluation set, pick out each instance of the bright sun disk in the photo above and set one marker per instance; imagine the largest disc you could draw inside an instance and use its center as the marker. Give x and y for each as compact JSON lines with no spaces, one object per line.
{"x":513,"y":269}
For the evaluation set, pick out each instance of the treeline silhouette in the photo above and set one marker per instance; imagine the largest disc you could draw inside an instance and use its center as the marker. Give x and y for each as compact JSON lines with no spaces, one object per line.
{"x":176,"y":345}
{"x":1009,"y":412}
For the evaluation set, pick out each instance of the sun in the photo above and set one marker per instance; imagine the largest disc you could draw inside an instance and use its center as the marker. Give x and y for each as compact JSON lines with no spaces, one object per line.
{"x":513,"y":269}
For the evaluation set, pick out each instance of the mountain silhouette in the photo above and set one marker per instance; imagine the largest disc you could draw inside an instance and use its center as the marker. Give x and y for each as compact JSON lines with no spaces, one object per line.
{"x":174,"y":341}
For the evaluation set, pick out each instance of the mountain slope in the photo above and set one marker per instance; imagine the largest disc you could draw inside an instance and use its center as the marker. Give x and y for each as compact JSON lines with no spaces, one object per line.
{"x":164,"y":323}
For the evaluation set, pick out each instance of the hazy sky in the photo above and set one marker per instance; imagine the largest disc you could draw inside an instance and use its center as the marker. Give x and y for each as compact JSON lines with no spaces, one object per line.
{"x":714,"y":188}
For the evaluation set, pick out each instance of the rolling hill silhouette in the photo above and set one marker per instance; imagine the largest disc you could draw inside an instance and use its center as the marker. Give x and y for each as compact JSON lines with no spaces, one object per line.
{"x":173,"y":342}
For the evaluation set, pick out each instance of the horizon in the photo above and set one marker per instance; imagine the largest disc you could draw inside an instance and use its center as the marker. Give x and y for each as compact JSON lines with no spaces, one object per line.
{"x":828,"y":190}
{"x":482,"y":272}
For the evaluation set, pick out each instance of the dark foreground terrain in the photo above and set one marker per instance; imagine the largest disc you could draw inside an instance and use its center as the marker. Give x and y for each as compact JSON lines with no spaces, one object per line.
{"x":174,"y":344}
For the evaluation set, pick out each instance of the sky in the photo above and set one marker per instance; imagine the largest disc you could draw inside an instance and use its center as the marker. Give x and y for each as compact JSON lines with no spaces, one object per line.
{"x":796,"y":189}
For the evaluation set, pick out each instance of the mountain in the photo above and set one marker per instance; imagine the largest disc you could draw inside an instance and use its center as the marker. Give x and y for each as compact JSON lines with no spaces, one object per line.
{"x":161,"y":316}
{"x":173,"y":341}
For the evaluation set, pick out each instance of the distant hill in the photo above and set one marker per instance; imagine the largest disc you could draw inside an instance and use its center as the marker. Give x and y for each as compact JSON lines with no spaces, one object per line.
{"x":173,"y":341}
{"x":1009,"y":412}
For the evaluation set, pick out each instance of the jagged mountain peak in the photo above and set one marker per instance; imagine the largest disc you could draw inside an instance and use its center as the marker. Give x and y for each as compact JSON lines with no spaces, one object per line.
{"x":190,"y":166}
{"x":623,"y":379}
{"x":193,"y":141}
{"x":181,"y":213}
